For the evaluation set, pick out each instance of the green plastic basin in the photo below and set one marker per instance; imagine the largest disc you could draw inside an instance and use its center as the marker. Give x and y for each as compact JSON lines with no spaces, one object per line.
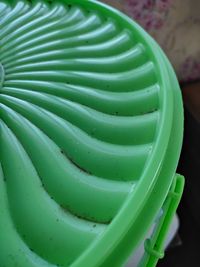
{"x":91,"y":129}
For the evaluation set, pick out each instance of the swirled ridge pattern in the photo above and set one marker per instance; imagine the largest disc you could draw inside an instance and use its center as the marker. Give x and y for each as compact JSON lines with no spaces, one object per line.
{"x":79,"y":111}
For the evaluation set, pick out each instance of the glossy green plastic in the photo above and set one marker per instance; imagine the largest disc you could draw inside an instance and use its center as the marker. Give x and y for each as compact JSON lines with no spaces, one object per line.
{"x":91,"y":131}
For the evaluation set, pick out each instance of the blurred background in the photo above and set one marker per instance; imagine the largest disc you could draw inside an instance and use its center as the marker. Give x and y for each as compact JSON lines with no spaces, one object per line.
{"x":175,"y":25}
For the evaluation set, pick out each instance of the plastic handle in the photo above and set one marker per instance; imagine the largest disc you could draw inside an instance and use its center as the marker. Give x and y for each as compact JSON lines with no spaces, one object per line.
{"x":154,"y":247}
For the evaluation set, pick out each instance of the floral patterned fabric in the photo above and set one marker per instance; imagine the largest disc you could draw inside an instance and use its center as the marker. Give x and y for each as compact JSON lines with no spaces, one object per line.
{"x":175,"y":24}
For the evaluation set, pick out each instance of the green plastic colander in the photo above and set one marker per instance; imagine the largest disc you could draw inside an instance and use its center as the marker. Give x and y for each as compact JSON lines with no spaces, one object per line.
{"x":91,"y":132}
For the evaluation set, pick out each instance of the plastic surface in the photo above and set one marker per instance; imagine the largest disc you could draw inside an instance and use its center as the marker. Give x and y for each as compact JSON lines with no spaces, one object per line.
{"x":154,"y":246}
{"x":91,"y":132}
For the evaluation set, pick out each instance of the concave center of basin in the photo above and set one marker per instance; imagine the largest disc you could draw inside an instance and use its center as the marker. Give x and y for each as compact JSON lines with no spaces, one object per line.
{"x":1,"y":75}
